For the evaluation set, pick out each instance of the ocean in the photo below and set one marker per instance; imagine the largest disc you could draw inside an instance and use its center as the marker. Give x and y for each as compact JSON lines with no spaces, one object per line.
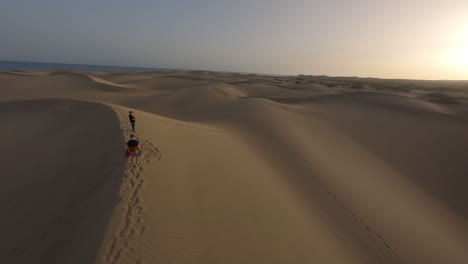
{"x":25,"y":66}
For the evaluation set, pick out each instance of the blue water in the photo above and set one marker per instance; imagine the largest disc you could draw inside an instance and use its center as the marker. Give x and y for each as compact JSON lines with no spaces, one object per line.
{"x":24,"y":66}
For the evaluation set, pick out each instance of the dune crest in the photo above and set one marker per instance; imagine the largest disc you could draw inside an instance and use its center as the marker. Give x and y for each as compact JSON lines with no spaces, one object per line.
{"x":237,"y":169}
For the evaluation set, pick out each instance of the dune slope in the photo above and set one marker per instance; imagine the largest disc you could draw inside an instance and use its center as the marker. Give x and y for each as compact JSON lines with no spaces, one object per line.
{"x":242,"y":168}
{"x":62,"y":164}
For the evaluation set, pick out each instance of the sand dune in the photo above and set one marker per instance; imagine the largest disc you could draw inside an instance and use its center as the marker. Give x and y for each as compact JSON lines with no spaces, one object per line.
{"x":237,"y":169}
{"x":61,"y":172}
{"x":108,"y":83}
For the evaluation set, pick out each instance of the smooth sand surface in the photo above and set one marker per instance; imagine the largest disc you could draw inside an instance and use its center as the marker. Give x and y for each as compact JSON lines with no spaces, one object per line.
{"x":61,"y":174}
{"x":236,"y":169}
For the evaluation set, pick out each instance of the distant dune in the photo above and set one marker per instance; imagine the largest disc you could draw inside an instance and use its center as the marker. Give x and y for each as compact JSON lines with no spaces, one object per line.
{"x":237,"y":169}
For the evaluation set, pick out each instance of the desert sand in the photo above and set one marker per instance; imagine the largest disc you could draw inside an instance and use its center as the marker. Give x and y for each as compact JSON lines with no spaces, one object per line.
{"x":237,"y":168}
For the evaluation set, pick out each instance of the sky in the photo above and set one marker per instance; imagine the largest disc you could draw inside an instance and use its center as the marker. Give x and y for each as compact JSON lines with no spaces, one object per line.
{"x":415,"y":39}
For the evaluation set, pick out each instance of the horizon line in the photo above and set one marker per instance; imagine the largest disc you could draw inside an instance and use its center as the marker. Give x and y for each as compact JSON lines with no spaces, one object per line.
{"x":156,"y":69}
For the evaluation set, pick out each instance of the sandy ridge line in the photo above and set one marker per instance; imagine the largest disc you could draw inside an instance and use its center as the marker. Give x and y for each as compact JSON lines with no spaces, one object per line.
{"x":126,"y":224}
{"x":102,"y":81}
{"x":185,"y":124}
{"x":122,"y":112}
{"x":383,"y":250}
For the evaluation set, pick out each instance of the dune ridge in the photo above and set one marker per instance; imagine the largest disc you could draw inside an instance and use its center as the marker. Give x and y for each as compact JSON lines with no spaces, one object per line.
{"x":257,"y":169}
{"x":128,"y":226}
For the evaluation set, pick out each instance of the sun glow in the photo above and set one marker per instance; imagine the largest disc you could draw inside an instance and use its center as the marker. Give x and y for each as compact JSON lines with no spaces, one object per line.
{"x":459,"y":51}
{"x":461,"y":56}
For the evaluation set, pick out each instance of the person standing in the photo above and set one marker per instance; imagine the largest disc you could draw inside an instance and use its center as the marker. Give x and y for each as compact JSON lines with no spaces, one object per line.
{"x":131,"y":117}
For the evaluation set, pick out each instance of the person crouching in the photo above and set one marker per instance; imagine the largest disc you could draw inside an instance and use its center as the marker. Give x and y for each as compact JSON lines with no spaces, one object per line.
{"x":133,"y":147}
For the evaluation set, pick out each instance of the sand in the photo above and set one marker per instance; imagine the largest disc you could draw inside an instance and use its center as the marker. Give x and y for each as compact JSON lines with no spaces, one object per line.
{"x":237,"y":169}
{"x":61,"y":172}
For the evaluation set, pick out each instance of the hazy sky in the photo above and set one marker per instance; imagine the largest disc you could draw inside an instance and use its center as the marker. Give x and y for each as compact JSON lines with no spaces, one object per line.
{"x":379,"y":38}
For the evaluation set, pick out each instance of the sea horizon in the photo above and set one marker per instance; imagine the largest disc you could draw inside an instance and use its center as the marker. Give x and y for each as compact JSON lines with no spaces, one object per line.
{"x":11,"y":65}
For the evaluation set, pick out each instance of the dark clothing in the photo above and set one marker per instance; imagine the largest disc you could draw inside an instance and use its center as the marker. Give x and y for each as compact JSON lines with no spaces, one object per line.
{"x":131,"y":118}
{"x":132,"y":143}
